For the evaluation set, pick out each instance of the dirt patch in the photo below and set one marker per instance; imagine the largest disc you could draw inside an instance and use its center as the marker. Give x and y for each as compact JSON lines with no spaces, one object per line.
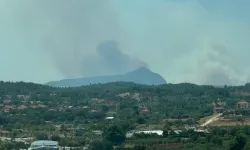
{"x":231,"y":122}
{"x":203,"y":120}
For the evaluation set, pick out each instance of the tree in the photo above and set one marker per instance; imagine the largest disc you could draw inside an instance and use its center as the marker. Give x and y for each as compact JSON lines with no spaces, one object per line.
{"x":101,"y":145}
{"x":6,"y":146}
{"x":141,"y":120}
{"x":238,"y":143}
{"x":13,"y":135}
{"x":105,"y":108}
{"x":42,"y":136}
{"x":63,"y":128}
{"x":216,"y":140}
{"x":166,"y":128}
{"x":247,"y":146}
{"x":115,"y":135}
{"x":55,"y":138}
{"x":165,"y":133}
{"x":139,"y":147}
{"x":127,"y":125}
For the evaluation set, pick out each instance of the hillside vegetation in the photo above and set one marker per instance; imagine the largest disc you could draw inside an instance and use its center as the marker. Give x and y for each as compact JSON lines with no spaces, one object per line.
{"x":28,"y":109}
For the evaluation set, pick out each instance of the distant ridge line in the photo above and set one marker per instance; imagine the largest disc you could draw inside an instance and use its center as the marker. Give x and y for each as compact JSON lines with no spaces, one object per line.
{"x":141,"y":75}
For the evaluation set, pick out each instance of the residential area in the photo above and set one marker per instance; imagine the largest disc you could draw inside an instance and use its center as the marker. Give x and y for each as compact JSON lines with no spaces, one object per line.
{"x":171,"y":114}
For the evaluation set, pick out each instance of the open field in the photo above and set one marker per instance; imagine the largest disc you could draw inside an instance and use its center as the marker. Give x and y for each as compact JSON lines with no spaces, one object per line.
{"x":231,"y":122}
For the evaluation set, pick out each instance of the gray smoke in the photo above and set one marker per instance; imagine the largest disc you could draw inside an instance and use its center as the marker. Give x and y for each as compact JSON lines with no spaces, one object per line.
{"x":109,"y":60}
{"x":76,"y":38}
{"x":199,"y":41}
{"x":214,"y":65}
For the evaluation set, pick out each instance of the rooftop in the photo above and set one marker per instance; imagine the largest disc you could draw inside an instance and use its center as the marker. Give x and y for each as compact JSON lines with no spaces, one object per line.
{"x":219,"y":108}
{"x":44,"y":142}
{"x":242,"y":102}
{"x":109,"y":118}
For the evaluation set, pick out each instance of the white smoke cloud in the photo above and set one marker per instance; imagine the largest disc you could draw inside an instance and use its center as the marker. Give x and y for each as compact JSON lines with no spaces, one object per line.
{"x":185,"y":41}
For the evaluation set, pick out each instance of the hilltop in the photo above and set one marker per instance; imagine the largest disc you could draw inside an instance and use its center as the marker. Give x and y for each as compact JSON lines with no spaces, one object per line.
{"x":140,"y":76}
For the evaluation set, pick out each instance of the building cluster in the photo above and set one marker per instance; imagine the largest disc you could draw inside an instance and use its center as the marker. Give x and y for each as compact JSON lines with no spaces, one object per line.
{"x":242,"y":105}
{"x":220,"y":107}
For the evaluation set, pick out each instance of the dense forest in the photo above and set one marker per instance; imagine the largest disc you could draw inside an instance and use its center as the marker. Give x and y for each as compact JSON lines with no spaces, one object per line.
{"x":29,"y":110}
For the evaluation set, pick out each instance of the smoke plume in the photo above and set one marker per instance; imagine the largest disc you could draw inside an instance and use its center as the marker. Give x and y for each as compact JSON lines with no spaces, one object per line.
{"x":198,"y":41}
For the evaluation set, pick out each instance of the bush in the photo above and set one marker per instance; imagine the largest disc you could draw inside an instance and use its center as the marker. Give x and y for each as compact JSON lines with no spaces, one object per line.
{"x":42,"y":136}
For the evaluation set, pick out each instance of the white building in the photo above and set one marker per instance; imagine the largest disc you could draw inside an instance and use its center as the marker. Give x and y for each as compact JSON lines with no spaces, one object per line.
{"x":109,"y":118}
{"x":131,"y":133}
{"x":44,"y":145}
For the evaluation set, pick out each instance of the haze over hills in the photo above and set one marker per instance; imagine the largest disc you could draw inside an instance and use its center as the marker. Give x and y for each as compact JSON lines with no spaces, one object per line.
{"x":140,"y":76}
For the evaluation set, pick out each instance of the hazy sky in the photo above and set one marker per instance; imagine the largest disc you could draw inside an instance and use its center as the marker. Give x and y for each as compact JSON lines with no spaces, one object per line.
{"x":199,"y":41}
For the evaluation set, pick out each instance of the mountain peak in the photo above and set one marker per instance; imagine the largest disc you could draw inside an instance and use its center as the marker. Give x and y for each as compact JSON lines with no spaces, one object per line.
{"x":141,"y":70}
{"x":141,"y":75}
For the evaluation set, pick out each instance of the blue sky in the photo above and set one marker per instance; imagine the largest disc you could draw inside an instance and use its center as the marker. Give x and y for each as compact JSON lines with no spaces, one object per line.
{"x":198,"y":41}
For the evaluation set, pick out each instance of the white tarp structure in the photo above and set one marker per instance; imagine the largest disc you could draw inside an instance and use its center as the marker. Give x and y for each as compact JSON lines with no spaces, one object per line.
{"x":131,"y":133}
{"x":44,"y":145}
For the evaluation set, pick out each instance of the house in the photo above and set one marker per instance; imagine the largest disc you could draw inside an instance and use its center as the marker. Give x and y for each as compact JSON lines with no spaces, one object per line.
{"x":93,"y":111}
{"x":190,"y":127}
{"x":52,"y":109}
{"x":109,"y":118}
{"x":6,"y":101}
{"x":3,"y":131}
{"x":9,"y":107}
{"x":42,"y":106}
{"x":9,"y":96}
{"x":6,"y":110}
{"x":22,"y":96}
{"x":22,"y":107}
{"x":49,"y":122}
{"x":201,"y":131}
{"x":97,"y":132}
{"x":167,"y":146}
{"x":218,"y":109}
{"x":145,"y":110}
{"x":242,"y":105}
{"x":222,"y":103}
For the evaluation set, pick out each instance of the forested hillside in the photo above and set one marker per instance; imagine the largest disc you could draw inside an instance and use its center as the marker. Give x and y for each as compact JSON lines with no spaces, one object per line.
{"x":28,"y":109}
{"x":164,"y":101}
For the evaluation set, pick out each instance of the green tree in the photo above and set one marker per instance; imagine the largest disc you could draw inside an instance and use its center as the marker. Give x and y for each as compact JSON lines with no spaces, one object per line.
{"x":55,"y":138}
{"x":165,"y":133}
{"x":115,"y":135}
{"x":247,"y":146}
{"x":141,"y":120}
{"x":238,"y":143}
{"x":6,"y":146}
{"x":139,"y":147}
{"x":101,"y":145}
{"x":216,"y":140}
{"x":42,"y":136}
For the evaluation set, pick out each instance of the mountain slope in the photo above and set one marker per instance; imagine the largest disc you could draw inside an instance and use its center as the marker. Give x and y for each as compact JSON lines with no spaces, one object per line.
{"x":139,"y":76}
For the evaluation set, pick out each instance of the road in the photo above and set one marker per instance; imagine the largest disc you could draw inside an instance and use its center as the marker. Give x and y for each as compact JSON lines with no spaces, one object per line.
{"x":214,"y":118}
